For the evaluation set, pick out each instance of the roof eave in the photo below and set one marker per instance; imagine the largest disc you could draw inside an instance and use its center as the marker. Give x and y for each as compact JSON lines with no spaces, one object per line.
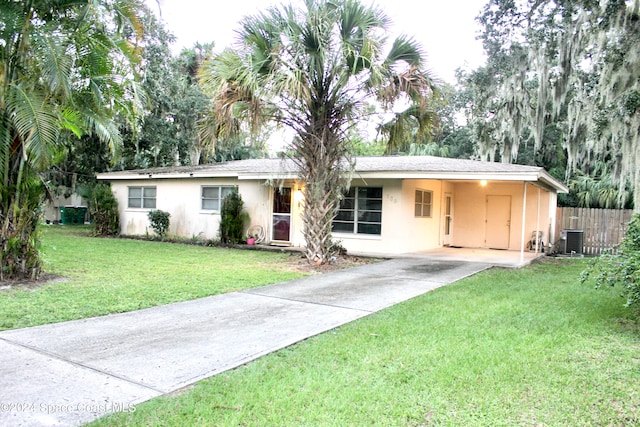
{"x":267,"y":175}
{"x":557,"y":185}
{"x":540,"y":176}
{"x":118,"y":176}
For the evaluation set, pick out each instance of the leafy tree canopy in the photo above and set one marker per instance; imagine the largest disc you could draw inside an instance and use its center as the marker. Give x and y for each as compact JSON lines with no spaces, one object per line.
{"x":561,"y":74}
{"x":64,"y":67}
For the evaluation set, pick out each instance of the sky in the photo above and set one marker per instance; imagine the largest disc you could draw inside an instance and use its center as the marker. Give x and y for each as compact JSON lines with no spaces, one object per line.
{"x":446,"y":29}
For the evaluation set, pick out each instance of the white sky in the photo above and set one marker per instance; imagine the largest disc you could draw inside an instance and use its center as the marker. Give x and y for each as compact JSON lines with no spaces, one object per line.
{"x":446,"y":29}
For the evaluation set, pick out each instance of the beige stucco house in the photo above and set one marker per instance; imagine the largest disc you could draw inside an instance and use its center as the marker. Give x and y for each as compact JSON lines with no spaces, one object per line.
{"x":396,"y":205}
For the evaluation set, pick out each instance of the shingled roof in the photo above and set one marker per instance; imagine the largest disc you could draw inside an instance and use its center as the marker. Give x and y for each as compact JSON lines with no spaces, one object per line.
{"x":397,"y":167}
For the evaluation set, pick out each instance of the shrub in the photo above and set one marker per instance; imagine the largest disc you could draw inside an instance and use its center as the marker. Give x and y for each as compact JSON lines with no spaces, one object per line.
{"x":103,"y":207}
{"x":621,"y":268}
{"x":232,"y":219}
{"x":159,"y":221}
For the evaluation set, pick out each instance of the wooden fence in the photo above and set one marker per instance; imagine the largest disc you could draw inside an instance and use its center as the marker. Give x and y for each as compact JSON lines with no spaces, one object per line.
{"x":602,"y":228}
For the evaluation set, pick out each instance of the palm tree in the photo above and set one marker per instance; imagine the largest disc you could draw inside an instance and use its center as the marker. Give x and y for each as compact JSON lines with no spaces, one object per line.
{"x":314,"y":69}
{"x":411,"y":129}
{"x":63,"y":68}
{"x":598,"y":189}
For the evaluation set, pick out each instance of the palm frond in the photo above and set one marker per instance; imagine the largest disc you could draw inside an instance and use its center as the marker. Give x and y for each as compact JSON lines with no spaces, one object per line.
{"x":105,"y":129}
{"x":5,"y":150}
{"x":412,"y":126}
{"x":71,"y":120}
{"x":230,"y":81}
{"x":358,"y":25}
{"x":407,"y":50}
{"x":35,"y":123}
{"x":56,"y":64}
{"x":127,"y":14}
{"x":208,"y":131}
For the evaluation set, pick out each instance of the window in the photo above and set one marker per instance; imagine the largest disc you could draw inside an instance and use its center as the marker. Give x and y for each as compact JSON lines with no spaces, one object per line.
{"x":423,"y":203}
{"x":360,"y":211}
{"x":142,"y":197}
{"x":212,"y":197}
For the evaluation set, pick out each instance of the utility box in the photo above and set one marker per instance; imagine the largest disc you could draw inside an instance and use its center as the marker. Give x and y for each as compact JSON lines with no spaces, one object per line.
{"x":573,"y":241}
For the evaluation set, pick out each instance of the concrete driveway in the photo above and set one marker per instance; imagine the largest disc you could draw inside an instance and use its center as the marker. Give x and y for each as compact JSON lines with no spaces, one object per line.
{"x":70,"y":373}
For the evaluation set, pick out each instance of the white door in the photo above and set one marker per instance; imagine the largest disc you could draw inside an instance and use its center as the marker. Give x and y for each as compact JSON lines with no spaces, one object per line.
{"x":448,"y":219}
{"x":498,"y":222}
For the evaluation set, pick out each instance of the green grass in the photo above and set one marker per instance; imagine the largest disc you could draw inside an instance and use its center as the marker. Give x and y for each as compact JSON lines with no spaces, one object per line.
{"x":117,"y":275}
{"x":528,"y":347}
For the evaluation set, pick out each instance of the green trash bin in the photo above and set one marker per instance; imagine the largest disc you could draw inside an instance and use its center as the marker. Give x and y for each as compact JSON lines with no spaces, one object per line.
{"x":66,"y":215}
{"x":73,"y":215}
{"x":81,"y":214}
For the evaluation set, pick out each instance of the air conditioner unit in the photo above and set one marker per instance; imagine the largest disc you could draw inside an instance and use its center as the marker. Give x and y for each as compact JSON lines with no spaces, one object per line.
{"x":573,"y":241}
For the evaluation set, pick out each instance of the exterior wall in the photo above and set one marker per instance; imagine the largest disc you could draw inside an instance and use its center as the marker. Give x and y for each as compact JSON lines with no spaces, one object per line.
{"x":402,"y":231}
{"x":182,"y":199}
{"x":374,"y":244}
{"x":470,"y":223}
{"x":420,"y":233}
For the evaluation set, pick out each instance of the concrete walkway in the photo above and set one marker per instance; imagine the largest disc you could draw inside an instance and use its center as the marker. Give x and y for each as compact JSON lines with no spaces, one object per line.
{"x":70,"y":373}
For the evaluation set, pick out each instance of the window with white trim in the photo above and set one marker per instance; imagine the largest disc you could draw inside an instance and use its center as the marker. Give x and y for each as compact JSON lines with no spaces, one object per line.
{"x":142,"y":197}
{"x":212,"y":196}
{"x":424,"y":203}
{"x":360,"y":211}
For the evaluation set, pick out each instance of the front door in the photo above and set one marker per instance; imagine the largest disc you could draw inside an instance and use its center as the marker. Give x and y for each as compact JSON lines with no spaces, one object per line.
{"x":281,"y":218}
{"x":498,"y":229}
{"x":448,"y":219}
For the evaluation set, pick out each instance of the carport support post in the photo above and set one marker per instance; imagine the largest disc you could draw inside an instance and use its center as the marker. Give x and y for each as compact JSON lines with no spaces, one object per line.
{"x":538,"y":224}
{"x":524,"y":218}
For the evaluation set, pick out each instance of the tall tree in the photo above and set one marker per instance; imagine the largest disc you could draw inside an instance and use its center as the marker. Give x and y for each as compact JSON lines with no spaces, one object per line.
{"x":176,"y":128}
{"x":64,"y":66}
{"x":313,"y":69}
{"x":155,"y":142}
{"x":571,"y":65}
{"x":166,"y":133}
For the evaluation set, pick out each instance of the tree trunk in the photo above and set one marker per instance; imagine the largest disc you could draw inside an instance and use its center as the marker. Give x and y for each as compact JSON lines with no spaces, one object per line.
{"x":319,"y":211}
{"x":22,"y":195}
{"x":636,"y":192}
{"x":322,"y":167}
{"x":19,"y":242}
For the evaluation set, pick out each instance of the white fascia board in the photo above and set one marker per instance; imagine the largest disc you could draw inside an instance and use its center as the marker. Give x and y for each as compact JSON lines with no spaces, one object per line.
{"x":267,"y":176}
{"x":114,"y":176}
{"x":451,"y":176}
{"x":533,"y":176}
{"x":553,"y":182}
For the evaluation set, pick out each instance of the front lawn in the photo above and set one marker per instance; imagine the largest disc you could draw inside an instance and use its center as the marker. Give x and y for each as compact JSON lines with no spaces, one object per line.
{"x":528,"y":347}
{"x":102,"y":276}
